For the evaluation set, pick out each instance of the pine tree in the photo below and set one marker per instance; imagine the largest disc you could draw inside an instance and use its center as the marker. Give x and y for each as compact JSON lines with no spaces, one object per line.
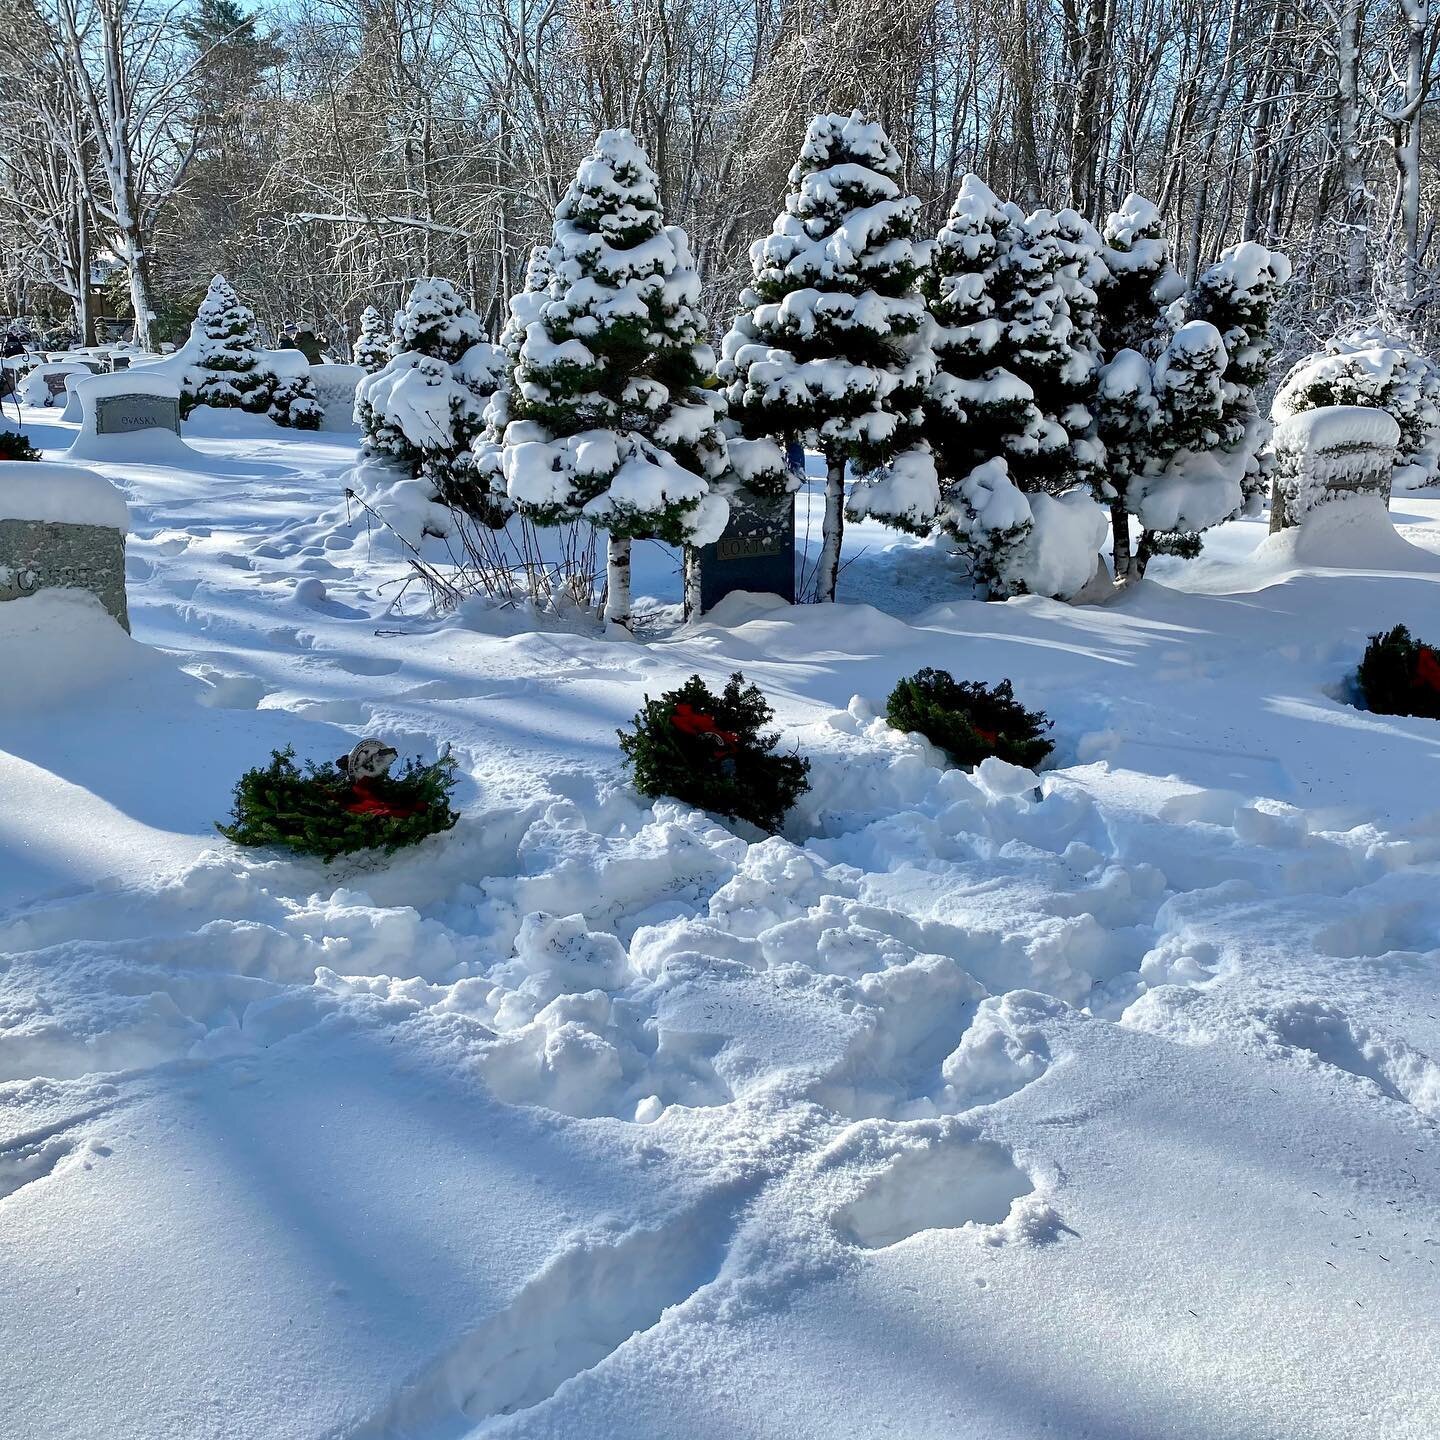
{"x":423,"y":408}
{"x":609,"y":416}
{"x":227,"y":370}
{"x":832,"y":348}
{"x":372,"y":345}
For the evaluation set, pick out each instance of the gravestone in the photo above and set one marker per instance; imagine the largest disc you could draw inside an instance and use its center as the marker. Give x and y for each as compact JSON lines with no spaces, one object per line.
{"x":55,"y":384}
{"x":61,"y":528}
{"x":1329,"y":455}
{"x":119,"y":362}
{"x":125,"y":414}
{"x":47,"y":555}
{"x":756,"y":552}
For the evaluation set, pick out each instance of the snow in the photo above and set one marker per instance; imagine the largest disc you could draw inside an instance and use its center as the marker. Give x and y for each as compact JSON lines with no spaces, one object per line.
{"x":1099,"y":1100}
{"x":152,"y":445}
{"x":1333,"y":427}
{"x":62,"y":494}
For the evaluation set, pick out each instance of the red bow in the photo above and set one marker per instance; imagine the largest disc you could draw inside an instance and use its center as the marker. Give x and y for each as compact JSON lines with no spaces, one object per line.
{"x":689,"y":721}
{"x":366,"y":802}
{"x":986,"y":737}
{"x":1427,"y":669}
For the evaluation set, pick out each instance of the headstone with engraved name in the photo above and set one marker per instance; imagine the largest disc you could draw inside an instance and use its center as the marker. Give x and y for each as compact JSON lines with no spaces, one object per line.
{"x":130,"y":415}
{"x":61,"y":527}
{"x":756,"y":552}
{"x":125,"y":414}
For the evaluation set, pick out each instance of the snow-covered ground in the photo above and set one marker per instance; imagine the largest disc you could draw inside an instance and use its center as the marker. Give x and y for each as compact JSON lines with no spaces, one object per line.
{"x":971,"y":1108}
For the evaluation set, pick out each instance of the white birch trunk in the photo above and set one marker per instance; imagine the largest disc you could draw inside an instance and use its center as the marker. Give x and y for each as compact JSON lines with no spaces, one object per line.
{"x":617,"y":583}
{"x":692,"y":582}
{"x":832,"y":533}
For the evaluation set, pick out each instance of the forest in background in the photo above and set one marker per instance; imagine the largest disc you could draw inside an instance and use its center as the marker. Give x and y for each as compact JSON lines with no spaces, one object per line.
{"x":327,"y":153}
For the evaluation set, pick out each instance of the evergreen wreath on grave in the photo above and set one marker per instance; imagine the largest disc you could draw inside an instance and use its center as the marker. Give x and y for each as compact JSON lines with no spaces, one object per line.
{"x":15,"y":446}
{"x":353,"y":803}
{"x":968,"y":719}
{"x":711,"y":751}
{"x":1400,"y":675}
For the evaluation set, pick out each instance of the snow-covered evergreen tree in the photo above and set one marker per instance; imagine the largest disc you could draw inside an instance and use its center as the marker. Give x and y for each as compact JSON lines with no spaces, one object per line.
{"x":1237,"y":295}
{"x":998,"y":287}
{"x":226,"y":368}
{"x":1135,"y":321}
{"x":1038,"y":344}
{"x":372,"y":345}
{"x":832,"y":348}
{"x":1374,"y":368}
{"x":426,"y":405}
{"x":608,"y":415}
{"x":977,"y":412}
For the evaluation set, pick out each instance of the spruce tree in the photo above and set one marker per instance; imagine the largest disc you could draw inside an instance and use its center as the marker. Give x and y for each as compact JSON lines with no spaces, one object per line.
{"x":1007,"y":412}
{"x":977,"y":411}
{"x":1037,"y":344}
{"x":1136,"y":292}
{"x":372,"y":345}
{"x":832,"y":348}
{"x":425,"y":406}
{"x":609,"y":417}
{"x":227,"y":370}
{"x":1237,"y":296}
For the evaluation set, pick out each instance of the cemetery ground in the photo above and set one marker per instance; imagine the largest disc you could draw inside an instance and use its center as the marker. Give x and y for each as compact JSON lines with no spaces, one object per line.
{"x":1096,"y":1104}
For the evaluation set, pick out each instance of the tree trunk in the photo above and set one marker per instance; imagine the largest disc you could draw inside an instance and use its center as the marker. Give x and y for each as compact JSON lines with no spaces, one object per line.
{"x":1355,"y":216}
{"x":1120,"y":526}
{"x":692,"y":583}
{"x":617,"y":580}
{"x":832,"y":533}
{"x":84,"y":310}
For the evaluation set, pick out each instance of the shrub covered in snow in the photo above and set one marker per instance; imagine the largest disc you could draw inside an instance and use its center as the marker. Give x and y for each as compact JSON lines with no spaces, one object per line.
{"x":607,"y":415}
{"x":324,"y":810}
{"x":1400,"y":675}
{"x":1370,"y":367}
{"x":224,"y":366}
{"x":372,"y":345}
{"x":713,"y":752}
{"x":424,"y":407}
{"x":832,"y":348}
{"x":15,"y":445}
{"x":968,"y":719}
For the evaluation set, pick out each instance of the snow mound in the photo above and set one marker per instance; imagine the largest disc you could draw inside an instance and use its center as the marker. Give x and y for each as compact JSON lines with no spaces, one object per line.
{"x":56,"y":644}
{"x":1346,"y":534}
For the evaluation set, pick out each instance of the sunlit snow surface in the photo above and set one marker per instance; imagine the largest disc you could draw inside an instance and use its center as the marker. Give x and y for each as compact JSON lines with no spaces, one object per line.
{"x":1100,"y":1104}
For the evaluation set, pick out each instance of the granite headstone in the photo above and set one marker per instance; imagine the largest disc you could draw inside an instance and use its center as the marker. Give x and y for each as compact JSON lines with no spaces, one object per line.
{"x":756,"y":552}
{"x":125,"y":414}
{"x":47,"y":555}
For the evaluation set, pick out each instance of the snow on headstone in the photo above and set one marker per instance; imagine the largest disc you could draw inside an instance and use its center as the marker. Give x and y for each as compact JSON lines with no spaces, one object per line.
{"x":756,"y":551}
{"x":61,"y":527}
{"x":1333,"y":454}
{"x":132,"y":415}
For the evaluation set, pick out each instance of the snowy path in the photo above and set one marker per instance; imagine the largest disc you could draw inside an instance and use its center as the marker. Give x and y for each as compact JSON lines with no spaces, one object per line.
{"x":966,"y":1110}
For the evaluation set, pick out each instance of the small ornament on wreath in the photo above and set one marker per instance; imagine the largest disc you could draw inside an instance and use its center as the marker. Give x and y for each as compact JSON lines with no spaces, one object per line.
{"x":354,"y":803}
{"x":711,"y":752}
